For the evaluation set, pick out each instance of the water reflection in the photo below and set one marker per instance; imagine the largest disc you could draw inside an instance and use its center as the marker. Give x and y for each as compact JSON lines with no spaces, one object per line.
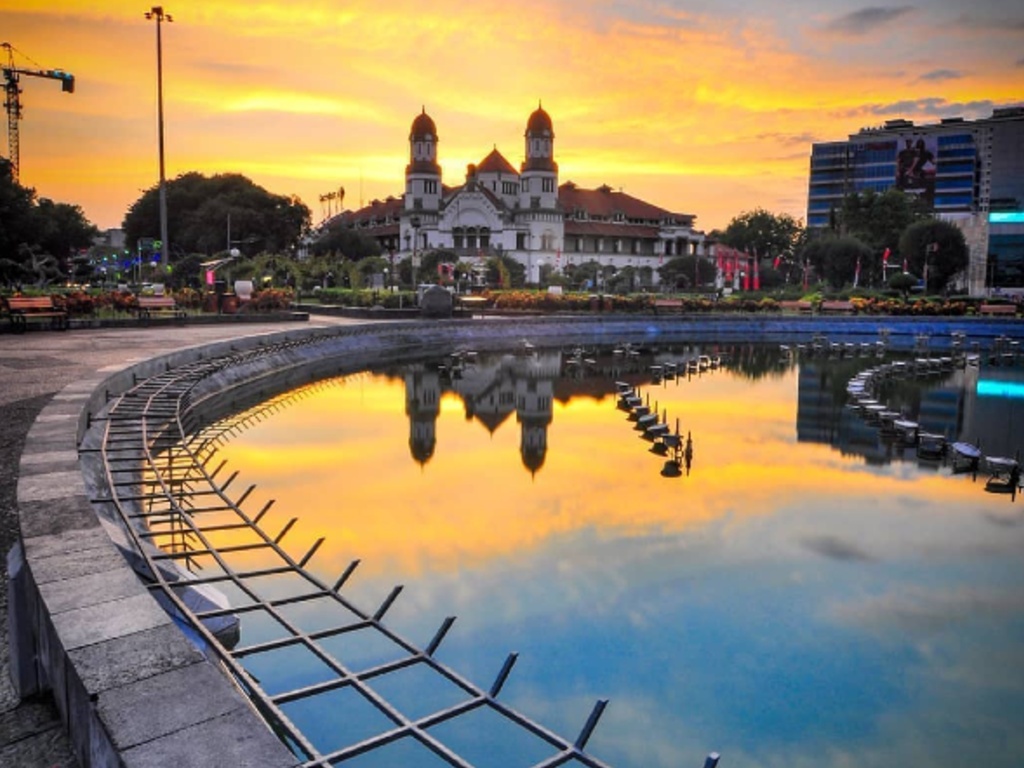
{"x":810,"y":592}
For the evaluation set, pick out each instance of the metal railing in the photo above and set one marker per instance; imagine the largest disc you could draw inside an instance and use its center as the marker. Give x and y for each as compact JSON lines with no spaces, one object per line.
{"x":177,"y":507}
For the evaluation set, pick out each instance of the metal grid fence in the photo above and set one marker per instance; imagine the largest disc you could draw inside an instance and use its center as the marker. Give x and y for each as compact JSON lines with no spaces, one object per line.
{"x":179,"y":509}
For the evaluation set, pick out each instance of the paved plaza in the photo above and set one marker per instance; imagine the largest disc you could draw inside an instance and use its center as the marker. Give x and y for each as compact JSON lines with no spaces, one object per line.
{"x":35,"y":366}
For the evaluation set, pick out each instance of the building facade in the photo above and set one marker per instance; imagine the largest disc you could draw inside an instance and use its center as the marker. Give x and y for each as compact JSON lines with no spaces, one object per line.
{"x":527,"y":214}
{"x":968,"y":172}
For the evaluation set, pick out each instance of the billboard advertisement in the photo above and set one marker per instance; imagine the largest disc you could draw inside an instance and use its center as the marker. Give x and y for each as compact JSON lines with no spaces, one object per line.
{"x":915,"y":165}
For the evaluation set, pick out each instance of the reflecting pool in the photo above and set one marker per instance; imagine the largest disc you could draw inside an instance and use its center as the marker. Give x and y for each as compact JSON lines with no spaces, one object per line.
{"x":807,"y":592}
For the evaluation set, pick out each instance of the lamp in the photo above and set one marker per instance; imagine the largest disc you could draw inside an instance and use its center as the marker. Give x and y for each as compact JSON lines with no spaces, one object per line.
{"x":157,"y":14}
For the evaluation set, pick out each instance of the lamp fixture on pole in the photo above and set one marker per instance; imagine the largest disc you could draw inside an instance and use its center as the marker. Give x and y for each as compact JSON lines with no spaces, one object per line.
{"x":157,"y":13}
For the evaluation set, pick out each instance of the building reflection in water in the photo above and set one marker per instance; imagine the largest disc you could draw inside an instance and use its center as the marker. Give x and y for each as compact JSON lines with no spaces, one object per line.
{"x":810,"y":588}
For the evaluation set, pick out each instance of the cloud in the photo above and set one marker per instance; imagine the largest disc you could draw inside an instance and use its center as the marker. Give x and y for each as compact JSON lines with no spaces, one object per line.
{"x":989,"y":23}
{"x":925,"y":109}
{"x":835,"y":548}
{"x":1019,"y":62}
{"x":905,"y":106}
{"x":788,"y":139}
{"x":939,"y":75}
{"x":924,"y":610}
{"x":866,"y":20}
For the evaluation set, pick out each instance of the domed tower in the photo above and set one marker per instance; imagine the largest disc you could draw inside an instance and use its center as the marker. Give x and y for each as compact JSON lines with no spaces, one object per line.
{"x":539,"y":177}
{"x":534,"y":411}
{"x":422,"y":406}
{"x":423,"y":174}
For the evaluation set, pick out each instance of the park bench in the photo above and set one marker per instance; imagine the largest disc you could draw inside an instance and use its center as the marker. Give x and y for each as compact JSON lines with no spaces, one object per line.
{"x":839,"y":307}
{"x":148,"y":306}
{"x":667,"y":304}
{"x":998,"y":309}
{"x":474,"y":303}
{"x":22,"y":309}
{"x":803,"y":307}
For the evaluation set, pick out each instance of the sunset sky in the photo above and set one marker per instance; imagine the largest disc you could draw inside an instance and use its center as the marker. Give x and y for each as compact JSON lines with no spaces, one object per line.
{"x":700,"y":107}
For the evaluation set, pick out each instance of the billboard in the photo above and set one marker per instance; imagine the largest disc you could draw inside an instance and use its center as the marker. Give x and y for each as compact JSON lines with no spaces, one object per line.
{"x":915,"y":165}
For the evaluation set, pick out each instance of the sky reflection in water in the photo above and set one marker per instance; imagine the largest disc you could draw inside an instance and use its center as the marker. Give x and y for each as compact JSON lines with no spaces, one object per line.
{"x":789,"y":602}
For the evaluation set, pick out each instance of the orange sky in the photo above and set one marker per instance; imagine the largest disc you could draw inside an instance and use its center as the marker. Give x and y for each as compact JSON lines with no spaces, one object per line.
{"x":699,"y":107}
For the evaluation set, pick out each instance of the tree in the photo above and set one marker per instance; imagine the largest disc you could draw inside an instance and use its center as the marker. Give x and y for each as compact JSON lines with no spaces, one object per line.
{"x":879,"y":220}
{"x":902,"y":282}
{"x":428,"y":271}
{"x":341,"y":240}
{"x":505,"y":272}
{"x":680,"y":272}
{"x":204,"y":213}
{"x":835,"y":259}
{"x":764,"y":235}
{"x":936,"y":250}
{"x":583,"y":276}
{"x":37,"y":239}
{"x":17,"y":225}
{"x":62,"y":230}
{"x":187,"y":272}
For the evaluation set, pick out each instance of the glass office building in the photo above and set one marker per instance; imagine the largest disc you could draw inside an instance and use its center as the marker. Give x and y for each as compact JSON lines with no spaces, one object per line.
{"x":970,"y":172}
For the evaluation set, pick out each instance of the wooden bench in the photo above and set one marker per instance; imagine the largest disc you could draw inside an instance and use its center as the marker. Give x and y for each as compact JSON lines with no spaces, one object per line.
{"x":474,"y":303}
{"x":147,"y":306}
{"x":667,"y":304}
{"x":841,"y":307}
{"x":803,"y":307}
{"x":997,"y":309}
{"x":21,"y":309}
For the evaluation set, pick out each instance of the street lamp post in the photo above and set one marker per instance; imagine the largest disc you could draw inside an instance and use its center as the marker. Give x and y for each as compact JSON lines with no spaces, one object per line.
{"x":415,"y":221}
{"x":157,"y":13}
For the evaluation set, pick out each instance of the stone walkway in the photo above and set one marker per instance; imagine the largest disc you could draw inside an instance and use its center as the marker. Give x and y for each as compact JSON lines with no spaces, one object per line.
{"x":34,"y":367}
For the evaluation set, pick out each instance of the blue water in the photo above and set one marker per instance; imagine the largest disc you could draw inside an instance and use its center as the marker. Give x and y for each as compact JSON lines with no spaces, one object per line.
{"x":808,"y":594}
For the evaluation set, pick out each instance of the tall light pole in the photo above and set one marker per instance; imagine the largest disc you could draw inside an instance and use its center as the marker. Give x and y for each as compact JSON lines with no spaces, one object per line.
{"x":157,"y":13}
{"x":415,"y":221}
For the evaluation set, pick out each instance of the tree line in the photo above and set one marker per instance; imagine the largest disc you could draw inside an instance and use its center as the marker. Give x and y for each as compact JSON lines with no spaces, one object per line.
{"x":874,"y":240}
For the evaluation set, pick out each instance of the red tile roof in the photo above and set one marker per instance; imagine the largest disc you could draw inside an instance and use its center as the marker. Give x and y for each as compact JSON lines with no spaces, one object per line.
{"x":495,"y":163}
{"x":604,"y":203}
{"x":575,"y":228}
{"x":375,"y":214}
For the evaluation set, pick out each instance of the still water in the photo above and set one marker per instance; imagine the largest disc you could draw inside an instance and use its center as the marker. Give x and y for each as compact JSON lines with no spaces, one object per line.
{"x":809,"y":592}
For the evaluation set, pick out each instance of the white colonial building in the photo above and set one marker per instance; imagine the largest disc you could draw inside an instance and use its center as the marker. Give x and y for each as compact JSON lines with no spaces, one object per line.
{"x":524,"y":214}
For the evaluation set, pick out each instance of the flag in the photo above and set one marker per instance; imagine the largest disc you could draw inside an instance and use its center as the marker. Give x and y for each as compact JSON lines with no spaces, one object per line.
{"x":885,"y":260}
{"x":775,"y":264}
{"x":904,"y":265}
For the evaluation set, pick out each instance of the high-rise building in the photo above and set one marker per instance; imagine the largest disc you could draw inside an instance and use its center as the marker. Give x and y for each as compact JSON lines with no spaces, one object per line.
{"x":970,"y":172}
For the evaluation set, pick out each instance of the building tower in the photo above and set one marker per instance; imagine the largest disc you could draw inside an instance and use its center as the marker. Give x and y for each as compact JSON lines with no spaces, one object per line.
{"x":539,"y":176}
{"x":422,"y":406}
{"x":423,"y":174}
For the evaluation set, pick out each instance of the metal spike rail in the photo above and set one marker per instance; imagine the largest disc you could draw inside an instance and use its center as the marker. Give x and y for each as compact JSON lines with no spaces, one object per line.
{"x":174,"y":508}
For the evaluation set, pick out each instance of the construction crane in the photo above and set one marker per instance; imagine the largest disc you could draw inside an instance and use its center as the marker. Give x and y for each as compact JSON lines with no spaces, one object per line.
{"x":12,"y":103}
